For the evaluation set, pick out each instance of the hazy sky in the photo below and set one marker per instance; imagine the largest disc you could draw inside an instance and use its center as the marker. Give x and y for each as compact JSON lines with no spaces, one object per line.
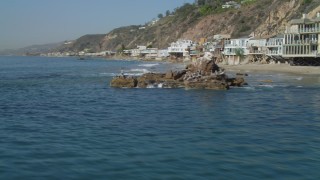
{"x":28,"y":22}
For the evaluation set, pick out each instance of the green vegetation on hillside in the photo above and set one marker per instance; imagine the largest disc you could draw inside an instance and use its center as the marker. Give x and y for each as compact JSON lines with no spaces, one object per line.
{"x":202,"y":19}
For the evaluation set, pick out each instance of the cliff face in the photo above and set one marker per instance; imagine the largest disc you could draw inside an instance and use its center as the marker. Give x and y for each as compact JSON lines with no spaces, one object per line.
{"x":160,"y":34}
{"x":263,"y":17}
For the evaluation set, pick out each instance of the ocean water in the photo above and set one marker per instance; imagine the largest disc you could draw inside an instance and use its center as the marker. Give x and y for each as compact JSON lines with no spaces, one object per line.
{"x":59,"y":119}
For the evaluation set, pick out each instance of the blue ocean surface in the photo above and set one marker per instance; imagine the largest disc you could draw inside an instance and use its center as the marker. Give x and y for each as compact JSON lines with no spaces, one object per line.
{"x":59,"y":119}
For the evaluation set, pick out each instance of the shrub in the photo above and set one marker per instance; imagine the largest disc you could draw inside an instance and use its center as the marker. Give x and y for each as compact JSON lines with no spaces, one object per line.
{"x":205,"y":10}
{"x":307,"y":1}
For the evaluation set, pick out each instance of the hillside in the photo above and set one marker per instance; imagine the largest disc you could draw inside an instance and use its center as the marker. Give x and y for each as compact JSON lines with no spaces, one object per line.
{"x":88,"y":43}
{"x":194,"y":21}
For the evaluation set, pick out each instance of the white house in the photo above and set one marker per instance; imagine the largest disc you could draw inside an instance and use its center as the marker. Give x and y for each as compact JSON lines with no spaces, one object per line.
{"x":231,"y":4}
{"x":150,"y":53}
{"x":274,"y":46}
{"x":137,"y":52}
{"x":181,"y":48}
{"x":153,"y":22}
{"x":163,"y":53}
{"x":302,"y":38}
{"x":257,"y":45}
{"x":234,"y":46}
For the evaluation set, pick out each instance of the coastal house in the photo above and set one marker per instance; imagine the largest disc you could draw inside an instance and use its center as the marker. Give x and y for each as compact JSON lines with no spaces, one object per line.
{"x":231,"y":4}
{"x":302,"y":40}
{"x":149,"y":53}
{"x":216,"y":45}
{"x":163,"y":53}
{"x":257,"y":46}
{"x":181,"y":49}
{"x":234,"y":49}
{"x":137,"y":52}
{"x":275,"y":46}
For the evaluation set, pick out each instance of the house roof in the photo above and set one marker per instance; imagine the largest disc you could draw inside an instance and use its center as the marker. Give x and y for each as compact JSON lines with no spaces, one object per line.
{"x":317,"y":19}
{"x":257,"y":38}
{"x":279,"y":36}
{"x":301,"y":21}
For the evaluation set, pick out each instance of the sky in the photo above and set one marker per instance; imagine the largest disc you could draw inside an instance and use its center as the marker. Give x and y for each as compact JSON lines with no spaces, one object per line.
{"x":30,"y":22}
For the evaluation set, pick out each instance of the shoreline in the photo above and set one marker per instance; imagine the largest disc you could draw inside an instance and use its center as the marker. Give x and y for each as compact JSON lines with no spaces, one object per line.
{"x":242,"y":68}
{"x":279,"y":68}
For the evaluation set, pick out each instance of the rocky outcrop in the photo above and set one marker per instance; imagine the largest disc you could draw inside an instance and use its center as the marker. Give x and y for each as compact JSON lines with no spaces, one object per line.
{"x":204,"y":74}
{"x":124,"y":82}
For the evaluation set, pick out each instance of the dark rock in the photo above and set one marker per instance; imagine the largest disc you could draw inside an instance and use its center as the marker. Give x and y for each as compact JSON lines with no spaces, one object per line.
{"x":124,"y":82}
{"x":207,"y":84}
{"x":179,"y":74}
{"x":238,"y":82}
{"x":242,"y":74}
{"x":150,"y":79}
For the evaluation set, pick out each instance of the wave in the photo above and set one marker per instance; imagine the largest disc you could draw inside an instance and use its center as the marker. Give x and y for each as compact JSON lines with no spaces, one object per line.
{"x":151,"y":86}
{"x":108,"y":74}
{"x":149,"y":65}
{"x":135,"y":72}
{"x":248,"y":88}
{"x":267,"y":85}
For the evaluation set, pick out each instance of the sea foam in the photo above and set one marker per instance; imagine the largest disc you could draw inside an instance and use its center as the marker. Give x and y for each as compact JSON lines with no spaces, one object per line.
{"x":148,"y":65}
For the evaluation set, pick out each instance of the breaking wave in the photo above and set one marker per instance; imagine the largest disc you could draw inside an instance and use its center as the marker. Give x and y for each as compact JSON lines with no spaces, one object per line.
{"x":136,"y":72}
{"x":148,"y":65}
{"x":108,"y":74}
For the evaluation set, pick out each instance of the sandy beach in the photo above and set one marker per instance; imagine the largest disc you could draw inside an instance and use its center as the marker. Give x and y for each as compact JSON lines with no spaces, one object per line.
{"x":283,"y":68}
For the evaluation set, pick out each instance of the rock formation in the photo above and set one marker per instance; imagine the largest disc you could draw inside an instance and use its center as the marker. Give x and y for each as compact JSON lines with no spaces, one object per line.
{"x":202,"y":74}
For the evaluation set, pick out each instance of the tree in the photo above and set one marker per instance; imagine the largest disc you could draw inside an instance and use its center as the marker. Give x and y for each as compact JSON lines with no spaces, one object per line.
{"x":201,"y":2}
{"x":167,"y":13}
{"x":240,"y":53}
{"x":122,"y":48}
{"x":160,"y":15}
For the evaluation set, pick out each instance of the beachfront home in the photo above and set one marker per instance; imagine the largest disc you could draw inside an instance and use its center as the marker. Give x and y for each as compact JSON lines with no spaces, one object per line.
{"x":181,"y":48}
{"x":235,"y":49}
{"x":216,"y":45}
{"x":163,"y":53}
{"x":149,"y":53}
{"x":275,"y":46}
{"x":301,"y":39}
{"x":257,"y":46}
{"x":137,"y":52}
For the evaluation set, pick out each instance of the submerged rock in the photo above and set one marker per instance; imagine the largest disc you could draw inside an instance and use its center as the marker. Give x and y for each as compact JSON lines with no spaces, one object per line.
{"x":203,"y":74}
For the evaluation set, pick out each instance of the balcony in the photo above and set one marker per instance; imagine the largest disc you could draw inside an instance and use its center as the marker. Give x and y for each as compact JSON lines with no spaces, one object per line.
{"x":309,"y":30}
{"x":273,"y":53}
{"x":303,"y":42}
{"x":303,"y":31}
{"x":274,"y":44}
{"x":234,"y":45}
